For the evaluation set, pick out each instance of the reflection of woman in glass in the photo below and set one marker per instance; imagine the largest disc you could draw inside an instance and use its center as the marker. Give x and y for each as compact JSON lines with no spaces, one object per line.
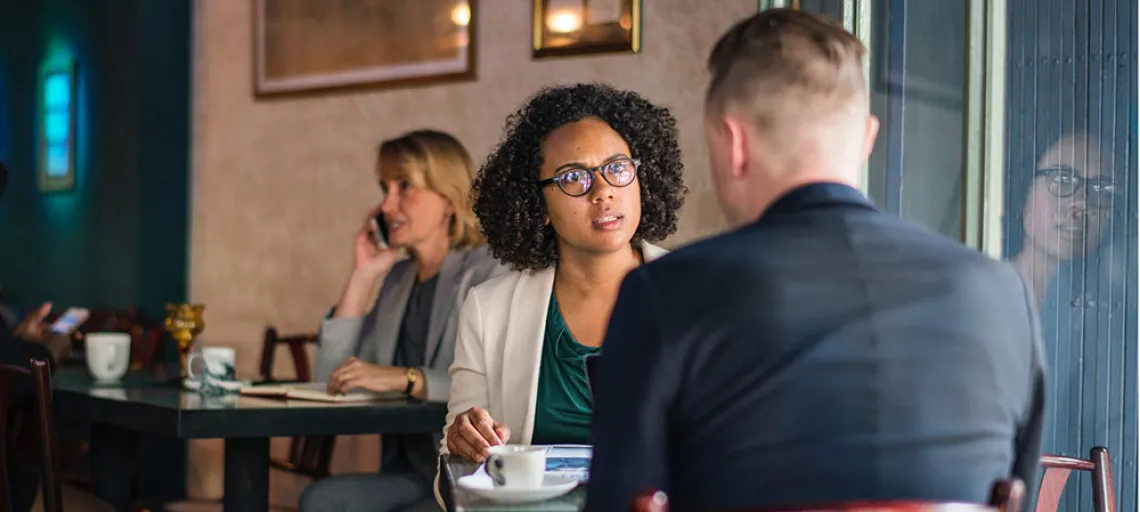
{"x":1060,"y":236}
{"x":1068,"y":201}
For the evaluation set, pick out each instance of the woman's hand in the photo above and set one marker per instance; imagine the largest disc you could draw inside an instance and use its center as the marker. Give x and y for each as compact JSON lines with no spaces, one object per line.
{"x":473,"y":432}
{"x":369,"y":260}
{"x":33,"y":327}
{"x":370,"y":263}
{"x":354,"y":373}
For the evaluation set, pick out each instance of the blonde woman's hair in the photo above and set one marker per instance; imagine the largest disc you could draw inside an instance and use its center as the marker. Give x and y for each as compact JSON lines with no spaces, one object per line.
{"x":437,"y":161}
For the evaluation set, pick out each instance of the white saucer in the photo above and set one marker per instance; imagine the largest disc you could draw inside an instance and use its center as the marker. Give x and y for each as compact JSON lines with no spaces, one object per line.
{"x":481,"y":485}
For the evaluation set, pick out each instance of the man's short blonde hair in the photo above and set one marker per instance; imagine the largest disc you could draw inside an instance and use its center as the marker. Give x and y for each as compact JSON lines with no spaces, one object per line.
{"x":437,"y":161}
{"x":783,"y":66}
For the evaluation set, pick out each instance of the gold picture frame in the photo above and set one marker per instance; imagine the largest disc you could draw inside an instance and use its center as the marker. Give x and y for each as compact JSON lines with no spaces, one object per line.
{"x":578,"y":27}
{"x":304,"y":45}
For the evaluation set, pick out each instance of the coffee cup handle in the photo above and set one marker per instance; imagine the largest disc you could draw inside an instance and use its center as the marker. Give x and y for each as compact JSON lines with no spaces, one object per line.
{"x":114,"y":357}
{"x":494,"y":468}
{"x":190,"y":365}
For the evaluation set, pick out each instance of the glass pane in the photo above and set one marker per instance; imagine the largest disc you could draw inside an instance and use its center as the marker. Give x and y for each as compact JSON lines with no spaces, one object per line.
{"x":917,"y":81}
{"x":1070,"y":223}
{"x":830,"y":8}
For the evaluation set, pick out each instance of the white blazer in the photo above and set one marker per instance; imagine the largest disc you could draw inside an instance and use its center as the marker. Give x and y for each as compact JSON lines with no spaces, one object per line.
{"x":498,"y":348}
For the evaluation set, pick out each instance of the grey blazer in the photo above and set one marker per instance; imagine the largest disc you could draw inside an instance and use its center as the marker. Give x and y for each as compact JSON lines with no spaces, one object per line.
{"x":373,"y":337}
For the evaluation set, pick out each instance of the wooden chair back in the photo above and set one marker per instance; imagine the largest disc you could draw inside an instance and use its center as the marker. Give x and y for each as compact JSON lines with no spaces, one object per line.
{"x":296,"y":344}
{"x":1058,"y":469}
{"x":40,"y":374}
{"x":308,"y":455}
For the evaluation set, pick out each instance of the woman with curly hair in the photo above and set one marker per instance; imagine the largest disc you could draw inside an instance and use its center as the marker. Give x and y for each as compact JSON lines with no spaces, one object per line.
{"x":584,"y":179}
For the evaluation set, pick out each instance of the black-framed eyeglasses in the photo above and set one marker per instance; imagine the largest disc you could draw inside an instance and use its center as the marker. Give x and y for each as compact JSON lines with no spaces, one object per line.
{"x":577,"y":181}
{"x":1064,"y":181}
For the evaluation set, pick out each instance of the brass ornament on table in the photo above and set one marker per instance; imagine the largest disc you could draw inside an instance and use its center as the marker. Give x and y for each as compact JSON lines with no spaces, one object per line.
{"x":184,"y":323}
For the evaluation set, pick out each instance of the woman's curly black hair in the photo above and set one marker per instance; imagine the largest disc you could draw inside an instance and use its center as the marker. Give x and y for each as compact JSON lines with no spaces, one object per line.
{"x":511,"y":207}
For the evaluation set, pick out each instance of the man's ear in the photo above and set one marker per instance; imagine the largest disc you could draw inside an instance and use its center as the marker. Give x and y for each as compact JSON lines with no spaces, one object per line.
{"x":737,"y":133}
{"x":870,"y":133}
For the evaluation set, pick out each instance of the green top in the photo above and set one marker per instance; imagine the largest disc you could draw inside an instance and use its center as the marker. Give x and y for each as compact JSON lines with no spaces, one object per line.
{"x":564,"y":405}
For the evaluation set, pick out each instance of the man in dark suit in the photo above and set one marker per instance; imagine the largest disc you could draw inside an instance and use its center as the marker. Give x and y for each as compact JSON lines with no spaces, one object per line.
{"x":822,"y":351}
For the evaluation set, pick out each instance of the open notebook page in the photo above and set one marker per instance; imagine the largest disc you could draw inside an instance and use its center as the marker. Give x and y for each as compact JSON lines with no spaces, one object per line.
{"x":317,"y":391}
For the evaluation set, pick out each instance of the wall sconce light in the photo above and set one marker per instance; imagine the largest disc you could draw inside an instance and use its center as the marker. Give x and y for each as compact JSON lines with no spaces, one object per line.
{"x":57,"y":126}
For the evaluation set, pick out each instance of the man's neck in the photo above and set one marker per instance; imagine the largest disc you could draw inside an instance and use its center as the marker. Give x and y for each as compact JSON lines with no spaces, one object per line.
{"x":767,"y":194}
{"x":581,"y":274}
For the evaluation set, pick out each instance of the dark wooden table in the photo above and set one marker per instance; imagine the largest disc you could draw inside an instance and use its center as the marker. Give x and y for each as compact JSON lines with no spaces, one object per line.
{"x":143,"y":403}
{"x":459,"y":500}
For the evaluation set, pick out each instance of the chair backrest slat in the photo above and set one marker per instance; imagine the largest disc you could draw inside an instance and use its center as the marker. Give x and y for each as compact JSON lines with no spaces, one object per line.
{"x":1058,"y":469}
{"x":308,"y":455}
{"x":40,"y":373}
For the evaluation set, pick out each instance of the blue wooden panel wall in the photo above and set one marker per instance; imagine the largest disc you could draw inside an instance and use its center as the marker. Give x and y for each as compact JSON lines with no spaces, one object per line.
{"x":1072,"y":70}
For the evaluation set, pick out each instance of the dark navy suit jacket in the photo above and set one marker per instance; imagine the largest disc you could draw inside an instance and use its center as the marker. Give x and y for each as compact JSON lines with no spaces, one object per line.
{"x":828,"y":352}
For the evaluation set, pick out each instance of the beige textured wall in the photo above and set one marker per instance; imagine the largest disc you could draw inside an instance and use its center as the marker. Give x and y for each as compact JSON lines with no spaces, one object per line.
{"x":280,"y":185}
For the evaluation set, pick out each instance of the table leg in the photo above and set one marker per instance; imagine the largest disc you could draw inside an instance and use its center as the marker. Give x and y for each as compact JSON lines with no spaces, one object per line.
{"x":247,"y":475}
{"x":113,"y":451}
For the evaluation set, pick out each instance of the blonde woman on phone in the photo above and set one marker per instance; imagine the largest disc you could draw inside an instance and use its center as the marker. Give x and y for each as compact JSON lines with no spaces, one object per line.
{"x":404,"y":340}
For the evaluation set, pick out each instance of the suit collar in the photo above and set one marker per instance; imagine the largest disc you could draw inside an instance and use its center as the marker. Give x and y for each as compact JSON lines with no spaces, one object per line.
{"x":816,"y":195}
{"x":389,"y":326}
{"x":651,"y":252}
{"x":443,"y":301}
{"x":526,"y":325}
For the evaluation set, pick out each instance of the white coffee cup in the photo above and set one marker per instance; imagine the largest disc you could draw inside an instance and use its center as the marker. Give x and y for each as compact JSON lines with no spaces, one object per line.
{"x":517,"y":466}
{"x":108,"y":355}
{"x":217,"y":365}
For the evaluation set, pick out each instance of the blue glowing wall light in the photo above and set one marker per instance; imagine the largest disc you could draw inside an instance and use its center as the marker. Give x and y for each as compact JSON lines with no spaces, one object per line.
{"x":57,"y":127}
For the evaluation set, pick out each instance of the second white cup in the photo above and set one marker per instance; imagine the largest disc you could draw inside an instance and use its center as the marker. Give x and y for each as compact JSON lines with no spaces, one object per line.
{"x":108,"y":355}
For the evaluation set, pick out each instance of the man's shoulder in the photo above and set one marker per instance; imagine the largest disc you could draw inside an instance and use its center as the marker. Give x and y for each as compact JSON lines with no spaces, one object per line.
{"x":705,"y":254}
{"x":765,"y":249}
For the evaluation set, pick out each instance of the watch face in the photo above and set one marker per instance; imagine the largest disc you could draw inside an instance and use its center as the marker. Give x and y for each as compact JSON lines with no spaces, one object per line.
{"x":412,"y":378}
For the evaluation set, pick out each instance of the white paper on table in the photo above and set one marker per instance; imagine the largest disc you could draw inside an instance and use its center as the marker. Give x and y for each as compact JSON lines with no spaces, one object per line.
{"x":564,"y":460}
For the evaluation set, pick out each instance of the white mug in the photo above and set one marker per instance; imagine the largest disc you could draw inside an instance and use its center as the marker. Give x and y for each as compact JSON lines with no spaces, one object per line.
{"x":517,"y":466}
{"x":217,"y":365}
{"x":108,"y":355}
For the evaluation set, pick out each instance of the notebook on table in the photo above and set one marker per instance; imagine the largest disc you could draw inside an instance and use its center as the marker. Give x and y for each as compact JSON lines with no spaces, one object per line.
{"x":316,"y":391}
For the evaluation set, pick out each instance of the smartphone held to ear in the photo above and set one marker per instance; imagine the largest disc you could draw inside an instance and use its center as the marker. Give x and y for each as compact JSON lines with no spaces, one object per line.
{"x":380,"y":231}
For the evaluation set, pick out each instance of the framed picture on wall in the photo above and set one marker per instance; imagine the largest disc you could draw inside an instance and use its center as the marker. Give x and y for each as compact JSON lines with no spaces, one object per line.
{"x":305,"y":45}
{"x":575,"y":27}
{"x":56,"y":168}
{"x":773,"y":4}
